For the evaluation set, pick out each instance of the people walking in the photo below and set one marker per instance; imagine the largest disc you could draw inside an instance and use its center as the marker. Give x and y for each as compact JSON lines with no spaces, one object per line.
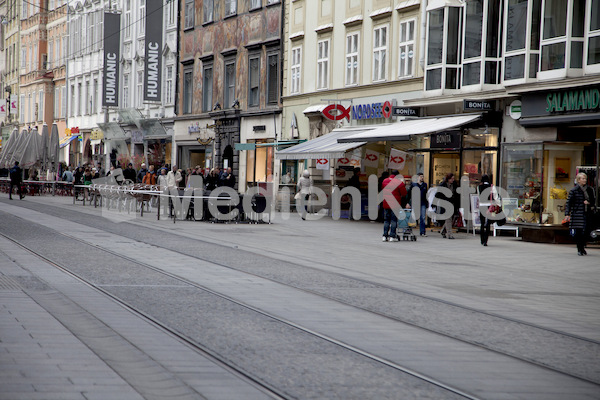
{"x":149,"y":176}
{"x":354,"y":182}
{"x":394,"y":189}
{"x":447,"y":183}
{"x":141,"y":173}
{"x":420,"y":187}
{"x":67,"y":176}
{"x":129,"y":173}
{"x":16,"y":179}
{"x":228,"y":178}
{"x":485,"y":206}
{"x":578,"y":211}
{"x":304,"y":187}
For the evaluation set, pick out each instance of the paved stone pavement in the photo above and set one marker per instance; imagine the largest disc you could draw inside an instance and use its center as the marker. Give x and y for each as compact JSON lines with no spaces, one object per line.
{"x":512,"y":278}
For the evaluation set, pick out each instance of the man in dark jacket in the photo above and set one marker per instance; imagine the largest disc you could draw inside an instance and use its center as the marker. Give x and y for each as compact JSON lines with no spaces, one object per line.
{"x":447,"y":183}
{"x":129,"y":173}
{"x":16,"y":179}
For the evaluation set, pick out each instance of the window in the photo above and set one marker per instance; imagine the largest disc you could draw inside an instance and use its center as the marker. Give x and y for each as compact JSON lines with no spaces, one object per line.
{"x":169,"y":85}
{"x":296,"y":69}
{"x":127,"y":21}
{"x":190,"y":8}
{"x":593,"y":43}
{"x":36,"y":65}
{"x":84,"y":98}
{"x":56,"y":111}
{"x":323,"y":64}
{"x":208,"y":10}
{"x":125,"y":100}
{"x":188,"y":89}
{"x":442,"y":70}
{"x":230,"y":7}
{"x":22,"y":109}
{"x":352,"y":59}
{"x":40,"y":106}
{"x":379,"y":53}
{"x":23,"y":57}
{"x":253,"y":81}
{"x":94,"y":97}
{"x":50,"y":54}
{"x":254,"y":4}
{"x":273,"y":78}
{"x":406,"y":63}
{"x":171,"y":12}
{"x":63,"y":102}
{"x":207,"y":87}
{"x":80,"y":97}
{"x":73,"y":101}
{"x":521,"y":53}
{"x":141,"y":23}
{"x":229,"y":84}
{"x":140,"y":89}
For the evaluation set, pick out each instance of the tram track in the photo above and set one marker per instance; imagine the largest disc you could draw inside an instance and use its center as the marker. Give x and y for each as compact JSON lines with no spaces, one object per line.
{"x":255,"y":381}
{"x":589,"y":348}
{"x":340,"y":299}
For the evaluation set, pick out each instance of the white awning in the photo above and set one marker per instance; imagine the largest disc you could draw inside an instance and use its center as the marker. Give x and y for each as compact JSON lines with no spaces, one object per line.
{"x":326,"y":146}
{"x":402,"y":130}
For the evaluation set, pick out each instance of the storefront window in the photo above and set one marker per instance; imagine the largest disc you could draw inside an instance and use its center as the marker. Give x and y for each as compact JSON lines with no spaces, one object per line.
{"x":259,"y":163}
{"x":522,"y":179}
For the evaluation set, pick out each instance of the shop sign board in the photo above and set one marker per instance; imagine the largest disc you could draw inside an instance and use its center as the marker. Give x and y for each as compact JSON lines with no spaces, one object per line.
{"x":405,"y":111}
{"x":336,"y":112}
{"x":445,"y":140}
{"x":560,"y":102}
{"x":515,"y":109}
{"x":478,"y":105}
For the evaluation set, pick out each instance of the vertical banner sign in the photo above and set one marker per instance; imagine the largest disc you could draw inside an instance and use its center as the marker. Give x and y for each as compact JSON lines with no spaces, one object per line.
{"x":153,"y":59}
{"x":13,"y":104}
{"x":112,"y":45}
{"x":2,"y":107}
{"x":397,"y":159}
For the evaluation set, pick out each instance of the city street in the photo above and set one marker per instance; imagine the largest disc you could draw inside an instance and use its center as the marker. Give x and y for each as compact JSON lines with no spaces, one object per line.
{"x":91,"y":308}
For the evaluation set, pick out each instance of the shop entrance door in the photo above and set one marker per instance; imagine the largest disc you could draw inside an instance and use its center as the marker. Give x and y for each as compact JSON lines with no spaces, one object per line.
{"x":443,"y":163}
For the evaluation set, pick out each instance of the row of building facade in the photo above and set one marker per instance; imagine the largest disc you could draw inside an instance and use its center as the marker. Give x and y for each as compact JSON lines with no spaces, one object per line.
{"x":510,"y":88}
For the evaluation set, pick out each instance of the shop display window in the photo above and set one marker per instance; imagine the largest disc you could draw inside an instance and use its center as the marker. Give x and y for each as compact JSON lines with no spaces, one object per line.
{"x":538,"y":178}
{"x":521,"y":177}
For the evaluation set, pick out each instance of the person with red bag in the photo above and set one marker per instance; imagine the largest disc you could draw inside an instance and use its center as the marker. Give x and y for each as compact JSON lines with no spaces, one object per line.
{"x":394,"y":190}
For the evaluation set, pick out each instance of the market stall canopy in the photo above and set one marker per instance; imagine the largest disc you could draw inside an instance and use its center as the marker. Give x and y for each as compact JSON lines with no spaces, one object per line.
{"x":401,"y":131}
{"x":44,"y":144}
{"x":29,"y":152}
{"x":8,"y":148}
{"x":326,"y":146}
{"x":53,"y":147}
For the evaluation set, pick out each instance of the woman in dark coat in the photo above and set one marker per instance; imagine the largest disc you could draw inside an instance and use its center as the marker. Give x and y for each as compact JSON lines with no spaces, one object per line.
{"x":578,"y":211}
{"x":485,"y":204}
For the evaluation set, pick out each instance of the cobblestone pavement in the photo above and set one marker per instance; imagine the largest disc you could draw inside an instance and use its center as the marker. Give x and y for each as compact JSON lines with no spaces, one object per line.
{"x":285,"y":269}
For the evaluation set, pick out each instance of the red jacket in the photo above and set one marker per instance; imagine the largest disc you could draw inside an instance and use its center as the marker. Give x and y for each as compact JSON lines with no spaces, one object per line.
{"x":396,"y":190}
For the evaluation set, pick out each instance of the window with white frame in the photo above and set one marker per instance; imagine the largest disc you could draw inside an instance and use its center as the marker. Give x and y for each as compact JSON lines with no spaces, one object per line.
{"x":273,"y":78}
{"x":207,"y":86}
{"x":36,"y":64}
{"x":169,"y":85}
{"x":323,"y":64}
{"x":31,"y":107}
{"x":229,"y":89}
{"x":56,"y":111}
{"x":141,"y":23}
{"x":127,"y":22}
{"x":63,"y":102}
{"x":296,"y":70}
{"x":22,"y":109}
{"x":50,"y":55}
{"x":84,"y":98}
{"x":94,"y":97}
{"x":230,"y":7}
{"x":521,"y":52}
{"x":208,"y":11}
{"x":379,"y":53}
{"x":40,"y":106}
{"x":352,"y":59}
{"x":188,"y":89}
{"x":80,"y":97}
{"x":139,"y":98}
{"x":50,"y":5}
{"x":406,"y":53}
{"x":254,"y":4}
{"x":23,"y":57}
{"x":189,"y":14}
{"x":593,"y":34}
{"x":171,"y":13}
{"x":444,"y":32}
{"x":254,"y":80}
{"x":126,"y":85}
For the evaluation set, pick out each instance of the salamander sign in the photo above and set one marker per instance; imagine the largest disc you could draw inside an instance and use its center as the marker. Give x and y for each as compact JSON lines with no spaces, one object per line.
{"x":573,"y":100}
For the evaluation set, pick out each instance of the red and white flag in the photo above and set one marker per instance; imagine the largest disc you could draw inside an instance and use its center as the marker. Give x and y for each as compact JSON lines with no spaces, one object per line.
{"x":372,"y":158}
{"x":322,"y":163}
{"x":397,"y":159}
